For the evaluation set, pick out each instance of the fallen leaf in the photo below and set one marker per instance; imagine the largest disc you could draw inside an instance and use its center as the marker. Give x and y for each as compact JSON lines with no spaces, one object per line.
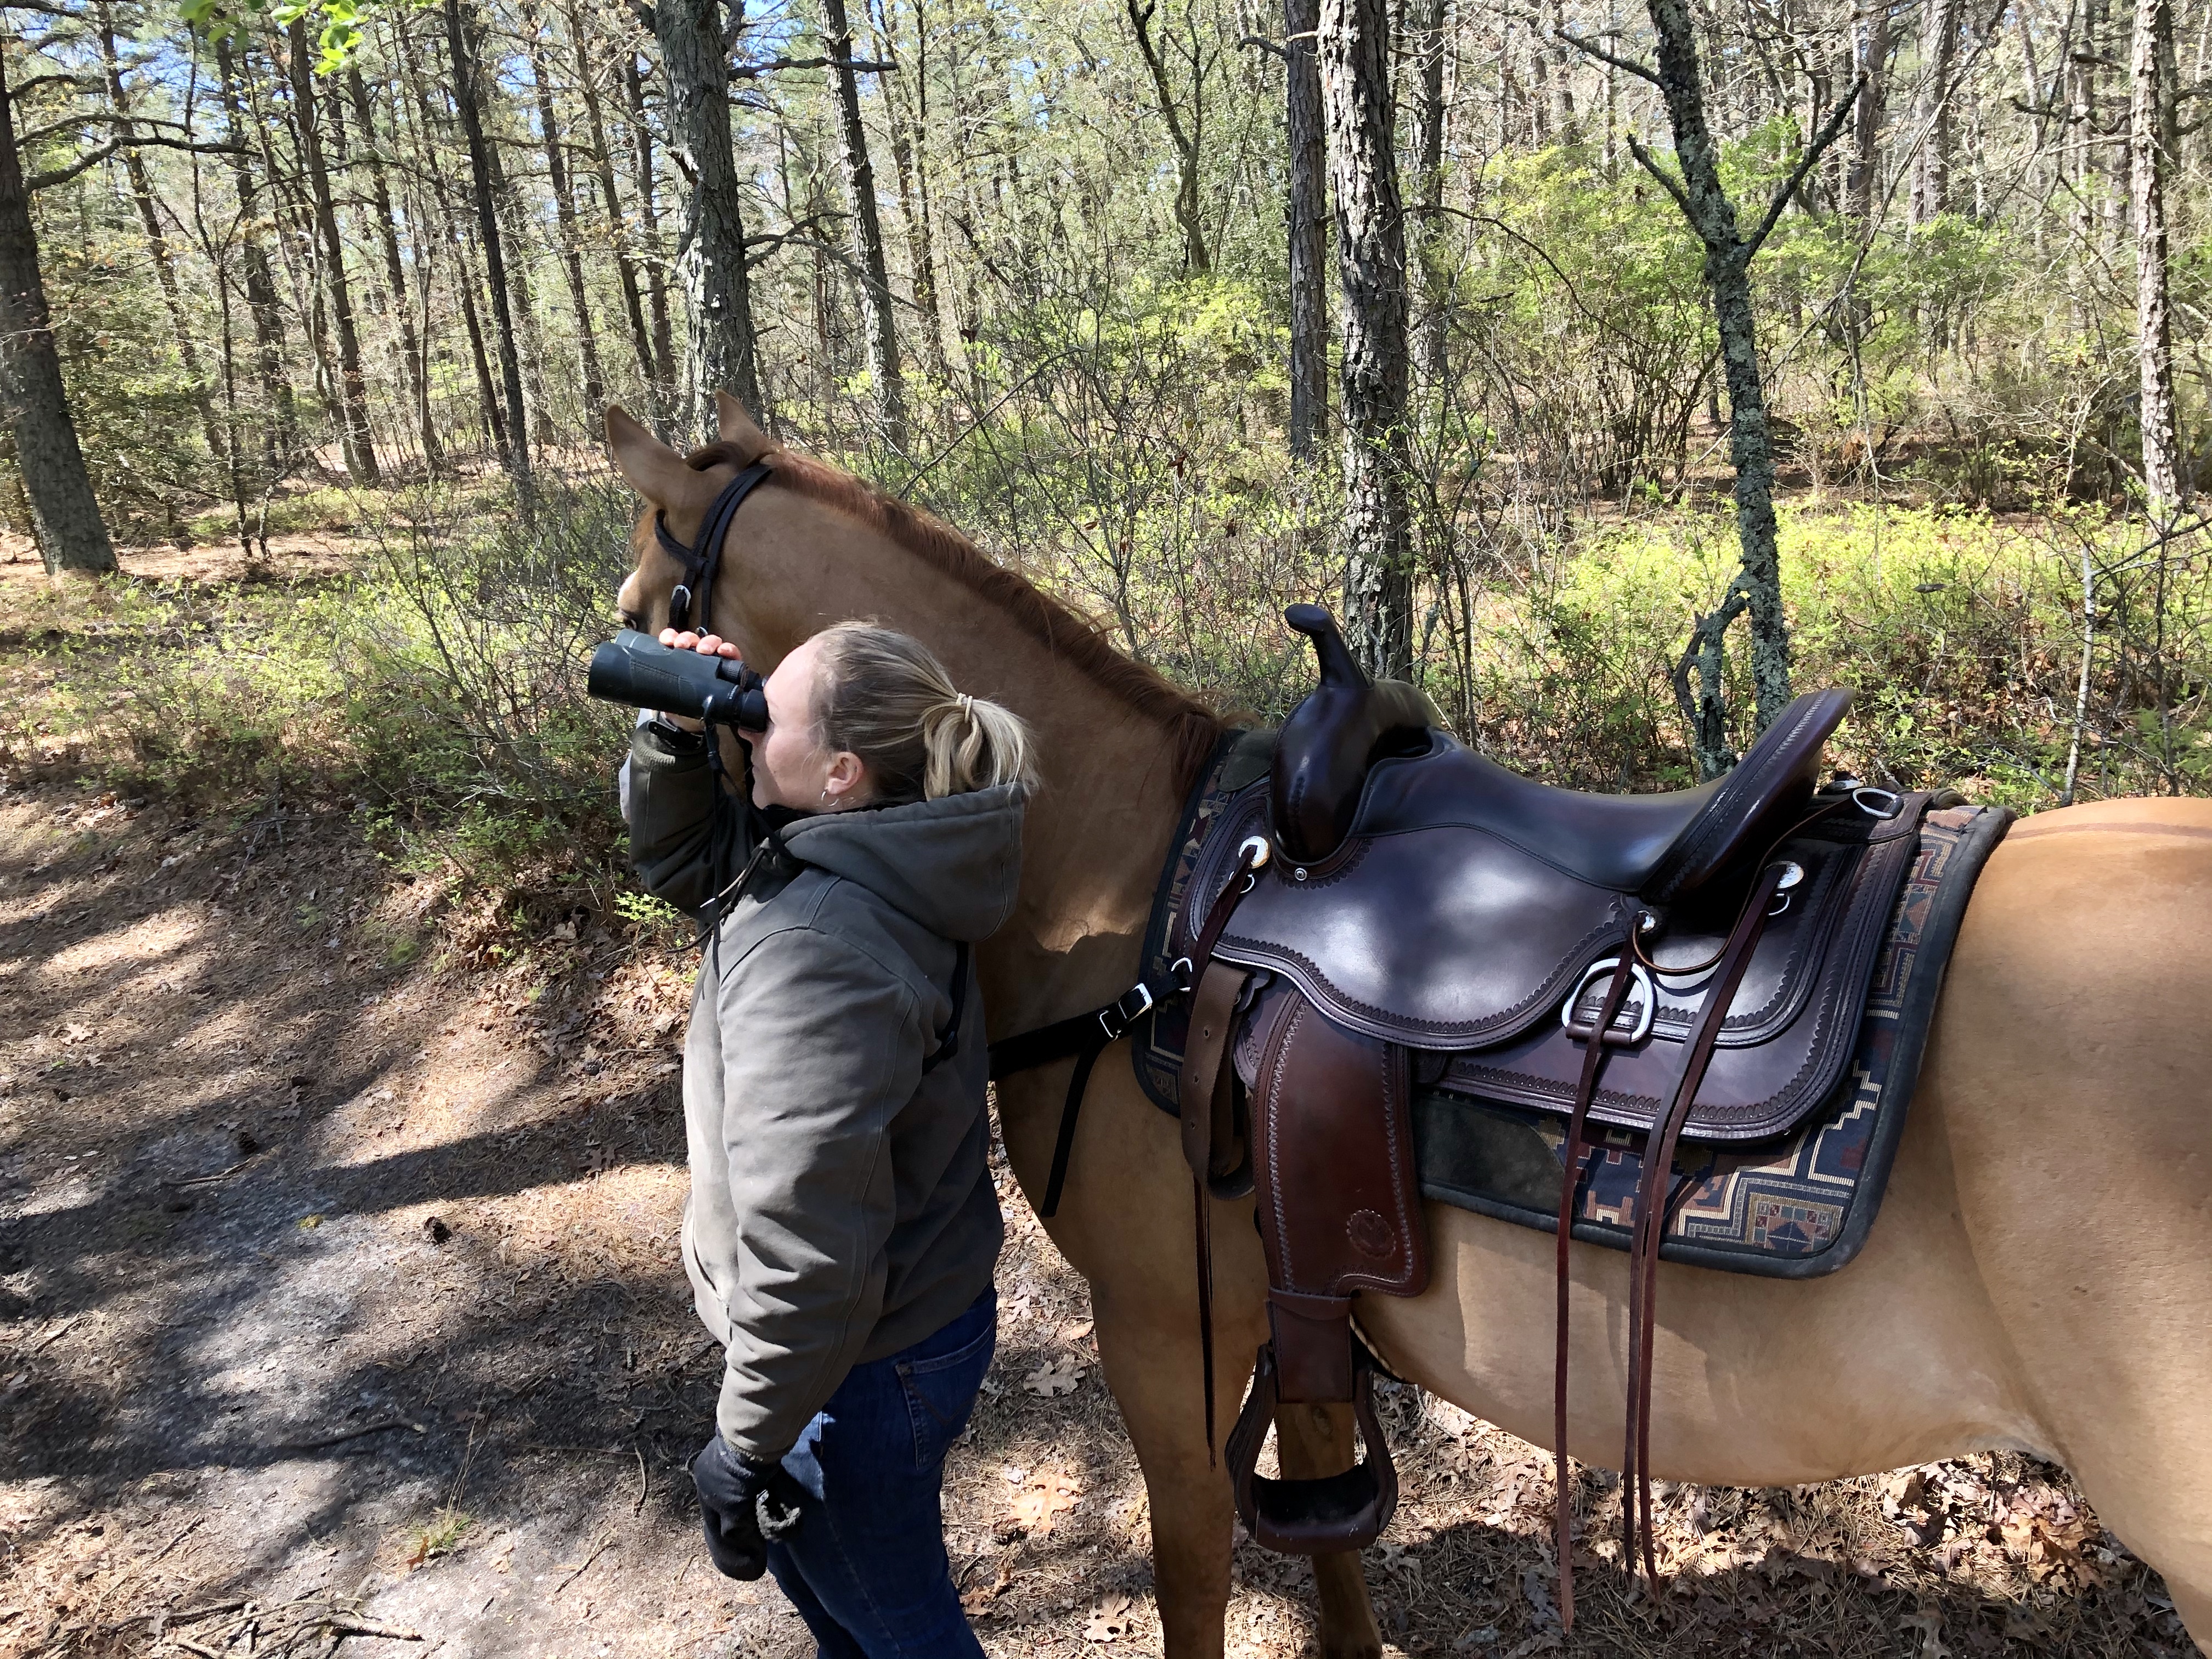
{"x":1930,"y":1622}
{"x":1054,"y":1377}
{"x":978,"y":1598}
{"x":1049,"y":1495}
{"x":1112,"y":1618}
{"x":1538,"y":1595}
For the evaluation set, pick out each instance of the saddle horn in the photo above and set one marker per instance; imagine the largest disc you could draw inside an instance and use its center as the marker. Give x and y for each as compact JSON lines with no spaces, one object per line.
{"x":1325,"y":746}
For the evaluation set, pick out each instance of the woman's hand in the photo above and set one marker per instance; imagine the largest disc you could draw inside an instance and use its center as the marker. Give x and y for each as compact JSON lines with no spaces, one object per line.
{"x":707,"y":645}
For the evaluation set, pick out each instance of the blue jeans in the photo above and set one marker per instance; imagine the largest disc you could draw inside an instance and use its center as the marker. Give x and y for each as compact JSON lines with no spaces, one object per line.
{"x":867,"y":1568}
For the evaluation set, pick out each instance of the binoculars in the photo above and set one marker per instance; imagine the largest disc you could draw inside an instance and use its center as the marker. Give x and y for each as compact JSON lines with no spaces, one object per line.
{"x":636,"y":670}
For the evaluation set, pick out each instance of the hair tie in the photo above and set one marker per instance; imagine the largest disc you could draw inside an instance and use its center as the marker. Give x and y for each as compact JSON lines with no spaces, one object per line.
{"x":967,"y":705}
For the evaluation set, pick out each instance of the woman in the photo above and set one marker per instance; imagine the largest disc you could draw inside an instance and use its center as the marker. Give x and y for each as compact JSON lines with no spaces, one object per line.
{"x":842,"y":1227}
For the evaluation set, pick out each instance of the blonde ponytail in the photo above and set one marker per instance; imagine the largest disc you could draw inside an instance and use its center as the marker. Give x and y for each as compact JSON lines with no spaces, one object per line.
{"x":886,"y":697}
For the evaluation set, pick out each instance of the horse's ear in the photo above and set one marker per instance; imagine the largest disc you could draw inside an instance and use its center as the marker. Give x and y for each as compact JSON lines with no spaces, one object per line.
{"x":738,"y":429}
{"x":647,"y":465}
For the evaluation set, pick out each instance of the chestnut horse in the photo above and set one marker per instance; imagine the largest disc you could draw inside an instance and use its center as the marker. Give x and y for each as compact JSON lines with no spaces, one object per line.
{"x":2041,"y":1277}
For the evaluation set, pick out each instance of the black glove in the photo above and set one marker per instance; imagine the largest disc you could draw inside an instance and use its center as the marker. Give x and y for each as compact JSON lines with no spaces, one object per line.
{"x":743,"y":1503}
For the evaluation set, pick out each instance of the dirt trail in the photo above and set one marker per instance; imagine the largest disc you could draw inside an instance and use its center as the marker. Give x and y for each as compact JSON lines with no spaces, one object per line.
{"x":339,"y":1297}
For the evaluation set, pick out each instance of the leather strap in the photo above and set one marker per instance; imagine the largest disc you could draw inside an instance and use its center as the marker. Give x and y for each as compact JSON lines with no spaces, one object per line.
{"x":1204,"y":1074}
{"x":1205,"y":1085}
{"x":1616,"y":992}
{"x":690,"y":604}
{"x":1654,"y":1204}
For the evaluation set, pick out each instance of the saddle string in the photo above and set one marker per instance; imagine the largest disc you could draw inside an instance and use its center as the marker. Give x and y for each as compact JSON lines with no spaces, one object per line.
{"x":1648,"y":1222}
{"x":1569,"y":1185}
{"x":1648,"y":1219}
{"x":1636,"y":941}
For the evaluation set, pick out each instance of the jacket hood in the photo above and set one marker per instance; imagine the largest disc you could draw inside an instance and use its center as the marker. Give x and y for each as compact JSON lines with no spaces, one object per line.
{"x":953,"y":864}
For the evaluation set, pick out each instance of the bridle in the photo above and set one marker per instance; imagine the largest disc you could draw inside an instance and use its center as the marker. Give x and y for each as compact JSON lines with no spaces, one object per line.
{"x":691,"y":605}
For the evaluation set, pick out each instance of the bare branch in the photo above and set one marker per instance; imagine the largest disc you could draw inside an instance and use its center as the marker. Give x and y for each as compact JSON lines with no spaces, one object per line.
{"x":1590,"y":48}
{"x":1651,"y":165}
{"x":1273,"y":48}
{"x":1828,"y":135}
{"x":754,"y":71}
{"x":93,"y":158}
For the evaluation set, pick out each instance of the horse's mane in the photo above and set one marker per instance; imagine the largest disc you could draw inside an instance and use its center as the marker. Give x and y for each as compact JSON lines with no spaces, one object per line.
{"x":1193,"y":728}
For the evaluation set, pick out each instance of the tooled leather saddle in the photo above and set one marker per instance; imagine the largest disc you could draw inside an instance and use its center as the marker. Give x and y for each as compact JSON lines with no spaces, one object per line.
{"x":1389,"y":908}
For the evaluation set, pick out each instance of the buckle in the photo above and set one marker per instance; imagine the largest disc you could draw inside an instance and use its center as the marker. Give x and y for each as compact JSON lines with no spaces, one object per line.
{"x":679,"y":604}
{"x":1125,"y":1010}
{"x":1640,"y":979}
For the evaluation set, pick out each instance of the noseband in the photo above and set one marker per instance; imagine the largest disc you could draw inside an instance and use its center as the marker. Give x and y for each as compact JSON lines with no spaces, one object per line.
{"x":690,"y":606}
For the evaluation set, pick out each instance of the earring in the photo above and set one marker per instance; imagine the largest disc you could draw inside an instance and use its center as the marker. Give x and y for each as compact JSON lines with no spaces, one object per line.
{"x":825,"y":797}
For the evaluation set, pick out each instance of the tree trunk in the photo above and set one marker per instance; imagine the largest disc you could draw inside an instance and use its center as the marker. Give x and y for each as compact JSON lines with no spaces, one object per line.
{"x":603,"y":166}
{"x":1428,"y":37}
{"x":1727,"y":274}
{"x":281,"y":429}
{"x":1370,"y":263}
{"x":395,"y":275}
{"x":1939,"y":51}
{"x":2149,"y":163}
{"x":355,"y":439}
{"x":1870,"y":46}
{"x":656,"y":285}
{"x":482,"y":182}
{"x":1186,"y":139}
{"x":720,"y":342}
{"x":564,"y":216}
{"x":157,"y":244}
{"x":867,"y":228}
{"x":908,"y":101}
{"x":71,"y":535}
{"x":1308,"y":228}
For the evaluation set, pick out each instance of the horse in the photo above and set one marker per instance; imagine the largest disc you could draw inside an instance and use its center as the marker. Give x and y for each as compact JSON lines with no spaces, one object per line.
{"x":2039,"y":1278}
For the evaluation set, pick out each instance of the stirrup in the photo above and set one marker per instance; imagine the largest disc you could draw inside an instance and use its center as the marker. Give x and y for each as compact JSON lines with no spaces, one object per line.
{"x":1330,"y":1515}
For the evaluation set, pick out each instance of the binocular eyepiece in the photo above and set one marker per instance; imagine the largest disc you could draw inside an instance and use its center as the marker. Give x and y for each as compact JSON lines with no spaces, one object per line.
{"x":636,"y":670}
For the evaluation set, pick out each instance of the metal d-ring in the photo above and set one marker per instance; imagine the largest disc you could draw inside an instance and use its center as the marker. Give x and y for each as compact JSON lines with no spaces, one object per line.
{"x":1896,"y":801}
{"x":1636,"y":975}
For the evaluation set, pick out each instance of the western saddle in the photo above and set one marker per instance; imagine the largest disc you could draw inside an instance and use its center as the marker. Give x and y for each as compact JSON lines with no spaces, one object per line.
{"x":1388,"y":908}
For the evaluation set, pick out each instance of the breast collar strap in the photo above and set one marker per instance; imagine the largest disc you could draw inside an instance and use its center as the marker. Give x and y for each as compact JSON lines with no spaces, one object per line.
{"x":690,"y":606}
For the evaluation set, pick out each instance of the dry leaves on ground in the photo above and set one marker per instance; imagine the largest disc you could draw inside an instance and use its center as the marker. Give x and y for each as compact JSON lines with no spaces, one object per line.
{"x":1047,"y":1495}
{"x":1054,"y":1377}
{"x":1112,"y":1618}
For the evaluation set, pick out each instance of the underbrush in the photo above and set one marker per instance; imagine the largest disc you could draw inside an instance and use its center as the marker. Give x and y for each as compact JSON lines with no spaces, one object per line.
{"x":437,"y":690}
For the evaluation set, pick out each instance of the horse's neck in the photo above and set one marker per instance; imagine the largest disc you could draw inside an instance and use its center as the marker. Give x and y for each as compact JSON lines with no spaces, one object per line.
{"x":1098,"y":828}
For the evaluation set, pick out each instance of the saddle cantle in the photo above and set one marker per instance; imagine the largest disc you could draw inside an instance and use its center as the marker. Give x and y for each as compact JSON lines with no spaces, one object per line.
{"x":1389,"y":907}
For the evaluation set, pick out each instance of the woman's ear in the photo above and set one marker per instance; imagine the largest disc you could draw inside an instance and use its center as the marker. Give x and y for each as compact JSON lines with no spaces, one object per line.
{"x":846,"y":775}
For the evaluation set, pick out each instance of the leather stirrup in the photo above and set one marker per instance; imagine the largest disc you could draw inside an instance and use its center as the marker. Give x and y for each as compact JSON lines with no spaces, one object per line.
{"x":1332,"y":1513}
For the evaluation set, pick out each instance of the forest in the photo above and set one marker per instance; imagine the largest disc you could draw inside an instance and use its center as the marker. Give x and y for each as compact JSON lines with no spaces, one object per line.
{"x":1469,"y":318}
{"x":1615,"y":370}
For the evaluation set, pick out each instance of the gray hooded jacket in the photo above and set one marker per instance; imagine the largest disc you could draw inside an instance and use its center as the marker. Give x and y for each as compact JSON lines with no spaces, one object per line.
{"x":842,"y":1206}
